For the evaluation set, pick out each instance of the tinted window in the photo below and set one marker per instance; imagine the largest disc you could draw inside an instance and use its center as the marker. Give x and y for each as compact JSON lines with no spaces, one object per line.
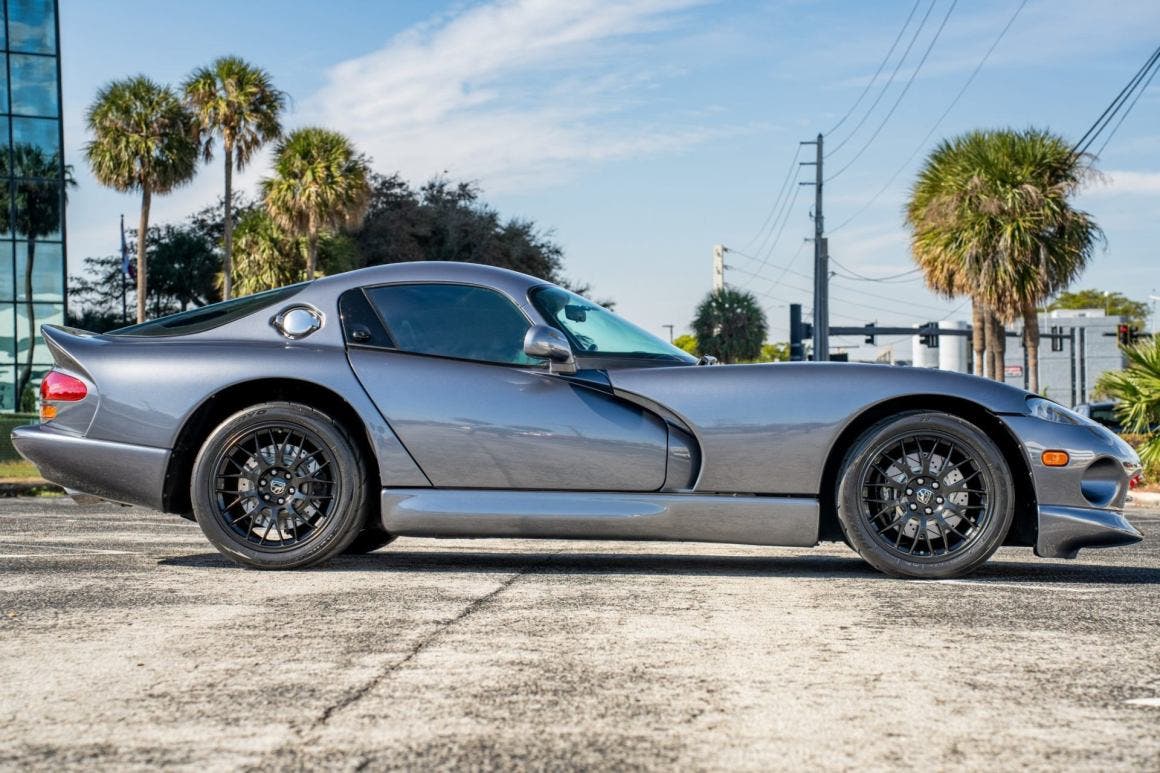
{"x":470,"y":323}
{"x":209,"y":317}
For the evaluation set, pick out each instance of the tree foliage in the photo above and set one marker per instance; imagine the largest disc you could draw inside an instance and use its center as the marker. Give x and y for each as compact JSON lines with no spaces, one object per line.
{"x":144,"y":140}
{"x":1115,"y":304}
{"x":320,"y":183}
{"x":730,"y":325}
{"x":266,"y":256}
{"x":1137,"y":387}
{"x":991,"y":217}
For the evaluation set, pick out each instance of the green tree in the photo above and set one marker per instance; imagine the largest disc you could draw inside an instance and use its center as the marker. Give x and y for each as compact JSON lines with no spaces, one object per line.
{"x":1137,"y":387}
{"x":687,"y":342}
{"x":269,"y":257}
{"x":320,"y":183}
{"x":774,"y":352}
{"x":730,"y":325}
{"x":991,"y":217}
{"x":145,"y":140}
{"x":236,"y":101}
{"x":1114,"y":304}
{"x":37,"y":205}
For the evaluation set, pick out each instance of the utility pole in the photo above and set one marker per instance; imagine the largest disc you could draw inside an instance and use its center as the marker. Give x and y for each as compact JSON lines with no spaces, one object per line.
{"x":821,"y":261}
{"x":718,"y":267}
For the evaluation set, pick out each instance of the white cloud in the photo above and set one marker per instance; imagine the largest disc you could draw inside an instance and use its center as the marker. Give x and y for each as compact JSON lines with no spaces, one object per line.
{"x":1122,"y":182}
{"x":512,"y":93}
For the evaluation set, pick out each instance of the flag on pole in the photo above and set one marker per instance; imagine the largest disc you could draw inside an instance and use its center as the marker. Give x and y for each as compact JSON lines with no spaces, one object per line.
{"x":128,"y":267}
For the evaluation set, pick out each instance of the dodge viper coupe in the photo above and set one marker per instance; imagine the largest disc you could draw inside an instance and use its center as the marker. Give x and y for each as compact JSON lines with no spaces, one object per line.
{"x":459,"y":400}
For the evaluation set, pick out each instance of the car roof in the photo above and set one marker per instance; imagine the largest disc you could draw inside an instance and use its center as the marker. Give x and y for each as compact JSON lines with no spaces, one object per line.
{"x":512,"y":282}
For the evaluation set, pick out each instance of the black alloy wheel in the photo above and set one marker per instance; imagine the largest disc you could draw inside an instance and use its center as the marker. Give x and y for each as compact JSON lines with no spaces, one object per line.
{"x":280,"y":486}
{"x":925,"y":494}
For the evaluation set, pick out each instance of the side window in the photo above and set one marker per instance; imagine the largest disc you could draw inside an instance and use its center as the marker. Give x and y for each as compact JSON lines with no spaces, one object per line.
{"x":470,"y":323}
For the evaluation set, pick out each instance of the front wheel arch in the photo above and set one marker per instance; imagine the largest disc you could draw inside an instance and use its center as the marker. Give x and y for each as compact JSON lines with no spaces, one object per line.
{"x":1024,"y":527}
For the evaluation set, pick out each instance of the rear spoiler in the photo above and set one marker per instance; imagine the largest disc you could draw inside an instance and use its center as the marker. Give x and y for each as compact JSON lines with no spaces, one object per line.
{"x":69,"y":346}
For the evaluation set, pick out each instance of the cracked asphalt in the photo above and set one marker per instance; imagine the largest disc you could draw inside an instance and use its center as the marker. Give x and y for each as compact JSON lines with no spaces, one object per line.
{"x":127,"y":643}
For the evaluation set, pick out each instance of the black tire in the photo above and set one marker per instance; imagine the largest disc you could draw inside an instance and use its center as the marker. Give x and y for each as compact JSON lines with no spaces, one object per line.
{"x":282,"y":466}
{"x":369,"y":540}
{"x":925,"y":494}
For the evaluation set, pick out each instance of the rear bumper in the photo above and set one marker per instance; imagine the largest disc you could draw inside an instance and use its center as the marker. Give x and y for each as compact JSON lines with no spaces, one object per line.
{"x":130,"y":474}
{"x":1064,"y":530}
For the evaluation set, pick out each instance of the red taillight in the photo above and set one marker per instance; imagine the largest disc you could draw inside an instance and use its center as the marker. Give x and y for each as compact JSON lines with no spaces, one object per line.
{"x":61,"y":387}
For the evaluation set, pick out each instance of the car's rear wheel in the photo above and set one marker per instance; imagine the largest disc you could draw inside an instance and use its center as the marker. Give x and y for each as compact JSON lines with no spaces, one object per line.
{"x":925,"y":494}
{"x":279,"y":486}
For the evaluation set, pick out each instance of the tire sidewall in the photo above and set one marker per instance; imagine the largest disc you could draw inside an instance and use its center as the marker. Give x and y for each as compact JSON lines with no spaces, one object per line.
{"x":985,"y":453}
{"x":346,"y":518}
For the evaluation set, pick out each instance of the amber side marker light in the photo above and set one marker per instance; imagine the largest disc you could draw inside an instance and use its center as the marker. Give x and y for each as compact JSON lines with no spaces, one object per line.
{"x":1056,"y":458}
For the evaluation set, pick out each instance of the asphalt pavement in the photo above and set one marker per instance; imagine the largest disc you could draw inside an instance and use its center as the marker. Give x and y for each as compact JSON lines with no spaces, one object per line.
{"x":127,"y":643}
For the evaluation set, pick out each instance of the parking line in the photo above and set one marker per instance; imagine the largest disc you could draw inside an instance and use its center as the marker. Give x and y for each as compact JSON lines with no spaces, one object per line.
{"x":1143,"y":701}
{"x":1019,"y":586}
{"x":88,"y":551}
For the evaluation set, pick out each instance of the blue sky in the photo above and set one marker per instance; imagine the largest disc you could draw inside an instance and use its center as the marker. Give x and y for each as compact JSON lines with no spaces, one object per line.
{"x":643,"y":132}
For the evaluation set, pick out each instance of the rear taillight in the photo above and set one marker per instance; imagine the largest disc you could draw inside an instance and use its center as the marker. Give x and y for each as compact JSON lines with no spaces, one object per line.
{"x":57,"y":387}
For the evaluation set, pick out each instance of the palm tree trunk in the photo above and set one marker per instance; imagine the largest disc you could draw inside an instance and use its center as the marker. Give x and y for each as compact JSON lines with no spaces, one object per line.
{"x":228,"y":236}
{"x":998,"y":346}
{"x":26,"y":371}
{"x":1031,"y":342}
{"x":979,"y":336}
{"x":311,"y":253}
{"x":989,"y":352}
{"x":142,"y":232}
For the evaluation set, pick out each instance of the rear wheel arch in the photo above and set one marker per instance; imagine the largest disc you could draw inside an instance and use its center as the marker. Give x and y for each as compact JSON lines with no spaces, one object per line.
{"x":226,"y":402}
{"x":1024,"y":527}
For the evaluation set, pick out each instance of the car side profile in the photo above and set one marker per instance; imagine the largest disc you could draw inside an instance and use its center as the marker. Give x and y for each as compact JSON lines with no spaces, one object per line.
{"x":459,"y":400}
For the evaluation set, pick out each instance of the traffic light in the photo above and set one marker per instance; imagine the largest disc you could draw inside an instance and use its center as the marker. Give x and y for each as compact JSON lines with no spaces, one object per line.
{"x":928,"y":335}
{"x":870,"y":337}
{"x":1124,"y":335}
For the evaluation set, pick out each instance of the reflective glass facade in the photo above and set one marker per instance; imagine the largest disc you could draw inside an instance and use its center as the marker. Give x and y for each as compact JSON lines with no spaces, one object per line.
{"x":32,"y":258}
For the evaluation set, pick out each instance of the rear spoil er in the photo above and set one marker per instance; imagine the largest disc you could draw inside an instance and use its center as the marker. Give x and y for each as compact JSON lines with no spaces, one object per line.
{"x":1064,"y":530}
{"x":748,"y":520}
{"x":119,"y":472}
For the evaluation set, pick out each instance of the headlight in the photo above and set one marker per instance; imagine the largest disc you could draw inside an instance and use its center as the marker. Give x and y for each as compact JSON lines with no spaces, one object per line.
{"x":1049,"y":411}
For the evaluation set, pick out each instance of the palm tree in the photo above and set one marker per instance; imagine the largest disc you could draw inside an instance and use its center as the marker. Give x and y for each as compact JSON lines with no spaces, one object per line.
{"x":39,"y":203}
{"x":1138,"y":389}
{"x":266,"y":256}
{"x":235,"y":100}
{"x":729,"y":324}
{"x":320,"y":183}
{"x":144,"y":139}
{"x":990,"y":217}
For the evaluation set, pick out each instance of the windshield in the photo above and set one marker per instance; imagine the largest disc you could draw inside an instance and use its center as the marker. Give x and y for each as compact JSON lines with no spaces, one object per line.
{"x":209,"y":317}
{"x":596,"y":331}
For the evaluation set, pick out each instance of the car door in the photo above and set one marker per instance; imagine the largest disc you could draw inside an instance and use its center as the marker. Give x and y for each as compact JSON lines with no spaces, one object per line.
{"x":444,"y":363}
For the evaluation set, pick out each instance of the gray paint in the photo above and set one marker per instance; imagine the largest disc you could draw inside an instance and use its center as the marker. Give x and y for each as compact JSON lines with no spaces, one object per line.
{"x":476,"y":425}
{"x":1064,"y":530}
{"x":561,"y":515}
{"x":760,"y":429}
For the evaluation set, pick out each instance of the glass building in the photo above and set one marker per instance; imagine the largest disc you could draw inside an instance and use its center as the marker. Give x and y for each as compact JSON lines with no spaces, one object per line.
{"x":32,"y":181}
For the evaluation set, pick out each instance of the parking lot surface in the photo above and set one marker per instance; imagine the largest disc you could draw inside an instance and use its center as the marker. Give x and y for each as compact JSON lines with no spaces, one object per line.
{"x":126,"y":642}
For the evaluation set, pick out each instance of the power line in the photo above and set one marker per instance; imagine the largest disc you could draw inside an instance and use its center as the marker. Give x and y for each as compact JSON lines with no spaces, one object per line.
{"x":777,"y":201}
{"x":862,"y":277}
{"x":922,"y":143}
{"x":901,"y":94}
{"x":1125,"y":114}
{"x":781,"y":229}
{"x":889,"y":81}
{"x":1110,"y":111}
{"x":877,"y":72}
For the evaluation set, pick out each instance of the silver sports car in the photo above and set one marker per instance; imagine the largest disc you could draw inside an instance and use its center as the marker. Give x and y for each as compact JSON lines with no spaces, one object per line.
{"x":458,"y":400}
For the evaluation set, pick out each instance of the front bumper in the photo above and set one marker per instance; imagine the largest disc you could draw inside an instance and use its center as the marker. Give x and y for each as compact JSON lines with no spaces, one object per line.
{"x":133,"y":475}
{"x":1079,"y":505}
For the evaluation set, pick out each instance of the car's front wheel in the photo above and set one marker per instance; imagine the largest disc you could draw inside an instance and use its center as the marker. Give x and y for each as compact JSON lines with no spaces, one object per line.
{"x":279,"y":486}
{"x":925,"y":494}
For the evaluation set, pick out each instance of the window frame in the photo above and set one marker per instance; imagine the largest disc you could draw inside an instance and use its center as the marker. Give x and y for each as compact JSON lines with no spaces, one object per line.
{"x":366,"y":290}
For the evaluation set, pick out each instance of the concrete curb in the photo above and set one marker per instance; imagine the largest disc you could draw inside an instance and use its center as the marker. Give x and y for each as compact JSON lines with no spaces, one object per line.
{"x":1144,"y":499}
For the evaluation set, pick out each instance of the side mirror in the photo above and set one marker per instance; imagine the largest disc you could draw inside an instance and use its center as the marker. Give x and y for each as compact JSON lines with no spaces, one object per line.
{"x":550,"y":343}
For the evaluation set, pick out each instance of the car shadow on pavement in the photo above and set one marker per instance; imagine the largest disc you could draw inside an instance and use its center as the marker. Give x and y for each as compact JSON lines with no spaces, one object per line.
{"x":806,"y":567}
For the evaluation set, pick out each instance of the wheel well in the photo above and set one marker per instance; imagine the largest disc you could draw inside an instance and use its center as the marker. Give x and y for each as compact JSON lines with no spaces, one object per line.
{"x":229,"y":401}
{"x":1025,"y":525}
